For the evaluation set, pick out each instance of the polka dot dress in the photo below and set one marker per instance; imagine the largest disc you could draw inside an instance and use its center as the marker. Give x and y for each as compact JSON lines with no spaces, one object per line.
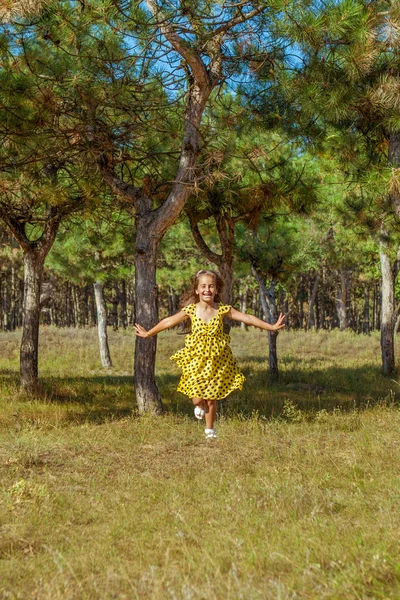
{"x":209,"y":370}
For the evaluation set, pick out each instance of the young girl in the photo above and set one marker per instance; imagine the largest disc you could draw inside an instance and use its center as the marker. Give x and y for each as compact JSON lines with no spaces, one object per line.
{"x":209,"y":371}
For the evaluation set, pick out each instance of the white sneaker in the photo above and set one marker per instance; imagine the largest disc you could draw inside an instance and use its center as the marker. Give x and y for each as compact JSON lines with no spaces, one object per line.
{"x":199,"y":412}
{"x":210,"y":434}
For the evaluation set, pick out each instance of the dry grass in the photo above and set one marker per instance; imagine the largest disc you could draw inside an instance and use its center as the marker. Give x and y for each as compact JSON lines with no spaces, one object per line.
{"x":97,"y":503}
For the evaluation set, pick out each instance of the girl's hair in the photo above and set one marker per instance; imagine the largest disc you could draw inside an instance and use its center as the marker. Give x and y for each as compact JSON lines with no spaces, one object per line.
{"x":190,"y":297}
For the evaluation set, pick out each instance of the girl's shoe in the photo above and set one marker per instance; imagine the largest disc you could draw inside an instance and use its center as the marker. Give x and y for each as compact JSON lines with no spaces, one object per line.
{"x":210,"y":434}
{"x":199,"y":412}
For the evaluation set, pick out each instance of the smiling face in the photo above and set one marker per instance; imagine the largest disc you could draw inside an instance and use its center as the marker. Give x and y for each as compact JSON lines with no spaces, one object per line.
{"x":206,"y":288}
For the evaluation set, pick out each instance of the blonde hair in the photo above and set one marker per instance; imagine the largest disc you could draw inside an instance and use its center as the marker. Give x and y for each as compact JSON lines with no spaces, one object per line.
{"x":190,"y":297}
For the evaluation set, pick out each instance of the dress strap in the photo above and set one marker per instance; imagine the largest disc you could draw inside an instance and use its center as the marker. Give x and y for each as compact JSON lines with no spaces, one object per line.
{"x":223,"y":309}
{"x":190,"y":309}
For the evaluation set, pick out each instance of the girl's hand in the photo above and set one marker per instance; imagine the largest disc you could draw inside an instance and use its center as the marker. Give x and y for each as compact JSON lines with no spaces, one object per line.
{"x":279,"y":324}
{"x":141,"y":331}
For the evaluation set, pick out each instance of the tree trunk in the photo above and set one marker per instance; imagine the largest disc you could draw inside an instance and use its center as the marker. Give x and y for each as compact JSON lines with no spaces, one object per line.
{"x":147,"y":395}
{"x":387,"y":308}
{"x":243,"y":304}
{"x":342,"y":299}
{"x":114,"y":304}
{"x":301,"y":302}
{"x":123,"y":314}
{"x":33,"y":271}
{"x":105,"y":356}
{"x":366,"y":327}
{"x":311,"y":304}
{"x":6,"y":312}
{"x":13,"y":309}
{"x":268,"y":303}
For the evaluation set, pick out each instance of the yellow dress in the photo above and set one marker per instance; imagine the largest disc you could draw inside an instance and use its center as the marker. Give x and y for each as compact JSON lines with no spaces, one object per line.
{"x":209,"y":370}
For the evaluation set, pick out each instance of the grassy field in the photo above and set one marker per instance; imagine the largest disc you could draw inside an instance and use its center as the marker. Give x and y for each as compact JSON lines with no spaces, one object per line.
{"x":298,"y":498}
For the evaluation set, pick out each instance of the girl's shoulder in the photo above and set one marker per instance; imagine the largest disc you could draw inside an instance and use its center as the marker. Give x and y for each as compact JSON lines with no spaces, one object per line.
{"x":190,"y":309}
{"x":223,"y":308}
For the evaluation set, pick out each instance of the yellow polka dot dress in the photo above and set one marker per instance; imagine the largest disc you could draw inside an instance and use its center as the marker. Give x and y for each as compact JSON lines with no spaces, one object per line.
{"x":209,"y":370}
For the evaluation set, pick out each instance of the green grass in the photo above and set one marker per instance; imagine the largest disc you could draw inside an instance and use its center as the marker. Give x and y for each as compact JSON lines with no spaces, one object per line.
{"x":298,"y":498}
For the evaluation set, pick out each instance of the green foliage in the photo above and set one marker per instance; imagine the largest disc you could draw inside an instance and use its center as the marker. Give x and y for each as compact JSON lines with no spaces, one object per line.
{"x":96,"y":249}
{"x":179,"y":259}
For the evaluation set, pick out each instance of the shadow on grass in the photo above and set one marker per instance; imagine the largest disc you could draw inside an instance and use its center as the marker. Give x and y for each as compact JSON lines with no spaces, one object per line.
{"x":101,"y":398}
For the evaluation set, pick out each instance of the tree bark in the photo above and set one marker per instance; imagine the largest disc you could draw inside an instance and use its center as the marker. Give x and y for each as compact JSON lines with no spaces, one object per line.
{"x":33,"y":271}
{"x":147,"y":395}
{"x":243,"y":304}
{"x":366,"y":326}
{"x":6,"y":311}
{"x":105,"y":356}
{"x":387,"y":308}
{"x":123,"y":314}
{"x":114,"y":303}
{"x":301,"y":302}
{"x":342,"y":298}
{"x":311,"y":304}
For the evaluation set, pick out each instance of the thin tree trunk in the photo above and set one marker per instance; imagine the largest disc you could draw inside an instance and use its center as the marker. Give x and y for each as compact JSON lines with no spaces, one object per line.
{"x":6,"y":313}
{"x":105,"y":356}
{"x":243,"y":304}
{"x":313,"y":295}
{"x":342,"y":299}
{"x":13,"y":314}
{"x":114,"y":303}
{"x":123,"y":304}
{"x":366,"y":326}
{"x":268,"y":303}
{"x":301,"y":301}
{"x":387,"y":308}
{"x":323,"y":305}
{"x":92,"y":310}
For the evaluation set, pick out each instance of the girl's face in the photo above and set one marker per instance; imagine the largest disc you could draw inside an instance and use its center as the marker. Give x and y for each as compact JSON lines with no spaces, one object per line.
{"x":206,"y":288}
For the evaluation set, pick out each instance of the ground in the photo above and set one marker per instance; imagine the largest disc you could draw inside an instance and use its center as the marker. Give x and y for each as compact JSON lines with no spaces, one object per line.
{"x":298,"y":498}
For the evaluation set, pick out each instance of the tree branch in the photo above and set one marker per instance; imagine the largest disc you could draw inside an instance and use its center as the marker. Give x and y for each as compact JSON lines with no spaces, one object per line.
{"x":201,"y":244}
{"x":189,"y":54}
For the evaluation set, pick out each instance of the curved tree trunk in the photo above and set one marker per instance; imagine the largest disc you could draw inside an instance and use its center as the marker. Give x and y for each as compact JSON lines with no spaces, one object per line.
{"x":105,"y":356}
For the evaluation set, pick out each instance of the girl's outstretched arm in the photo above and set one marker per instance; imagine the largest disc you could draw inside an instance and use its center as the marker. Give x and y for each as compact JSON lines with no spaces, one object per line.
{"x":236,"y":315}
{"x":163,"y":324}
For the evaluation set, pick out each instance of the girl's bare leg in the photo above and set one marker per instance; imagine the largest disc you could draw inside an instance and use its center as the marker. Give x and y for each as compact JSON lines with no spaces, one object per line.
{"x":199,"y":402}
{"x":211,"y":412}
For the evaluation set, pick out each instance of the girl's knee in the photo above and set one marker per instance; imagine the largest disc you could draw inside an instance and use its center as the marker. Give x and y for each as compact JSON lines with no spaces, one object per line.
{"x":197,"y":401}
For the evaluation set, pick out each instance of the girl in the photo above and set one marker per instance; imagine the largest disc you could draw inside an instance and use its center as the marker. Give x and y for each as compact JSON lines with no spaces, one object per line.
{"x":209,"y":371}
